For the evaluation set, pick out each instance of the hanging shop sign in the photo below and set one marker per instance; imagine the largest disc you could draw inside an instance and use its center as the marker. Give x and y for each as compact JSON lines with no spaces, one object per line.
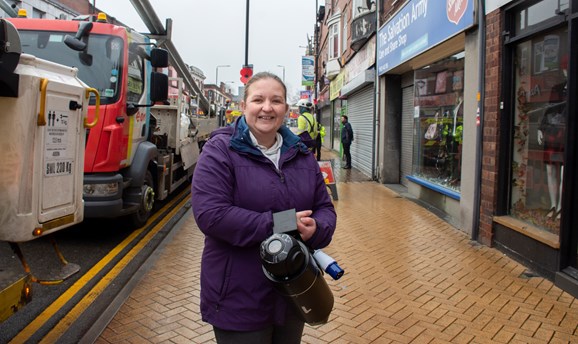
{"x":362,"y":27}
{"x":419,"y":26}
{"x":308,"y":67}
{"x":336,"y":85}
{"x":305,"y":94}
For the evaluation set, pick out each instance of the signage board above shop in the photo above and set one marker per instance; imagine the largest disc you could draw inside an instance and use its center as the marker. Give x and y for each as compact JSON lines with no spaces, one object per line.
{"x":362,"y":27}
{"x":418,"y":26}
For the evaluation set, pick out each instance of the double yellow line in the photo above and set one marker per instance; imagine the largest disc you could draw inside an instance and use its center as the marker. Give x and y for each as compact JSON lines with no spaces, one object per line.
{"x":57,"y":331}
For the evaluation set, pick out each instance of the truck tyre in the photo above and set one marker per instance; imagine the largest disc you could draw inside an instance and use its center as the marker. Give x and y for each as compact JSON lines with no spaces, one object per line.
{"x":145,"y":209}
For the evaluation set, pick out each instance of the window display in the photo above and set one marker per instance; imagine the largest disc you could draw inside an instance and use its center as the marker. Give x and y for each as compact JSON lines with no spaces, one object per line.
{"x":541,"y":66}
{"x":339,"y":109}
{"x":439,"y":122}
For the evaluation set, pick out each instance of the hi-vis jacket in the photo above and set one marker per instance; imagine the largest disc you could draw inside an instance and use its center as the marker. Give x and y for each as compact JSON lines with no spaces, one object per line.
{"x":306,"y":122}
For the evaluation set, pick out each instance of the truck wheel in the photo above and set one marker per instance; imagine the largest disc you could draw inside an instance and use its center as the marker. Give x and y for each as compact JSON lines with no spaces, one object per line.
{"x":147,"y":203}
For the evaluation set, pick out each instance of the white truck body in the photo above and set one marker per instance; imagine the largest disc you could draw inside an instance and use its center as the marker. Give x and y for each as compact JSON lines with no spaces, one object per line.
{"x":42,"y":139}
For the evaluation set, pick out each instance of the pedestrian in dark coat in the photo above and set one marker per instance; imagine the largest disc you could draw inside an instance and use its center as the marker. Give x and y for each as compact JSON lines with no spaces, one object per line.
{"x":245,"y":173}
{"x":346,"y":140}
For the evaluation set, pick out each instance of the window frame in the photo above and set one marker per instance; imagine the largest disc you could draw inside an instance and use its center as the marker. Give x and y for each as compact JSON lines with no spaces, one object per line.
{"x":135,"y":56}
{"x":508,"y":94}
{"x":333,"y":30}
{"x":344,"y":34}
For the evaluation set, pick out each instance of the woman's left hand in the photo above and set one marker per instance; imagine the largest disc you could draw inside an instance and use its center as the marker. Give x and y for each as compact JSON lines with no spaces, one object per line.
{"x":306,"y":225}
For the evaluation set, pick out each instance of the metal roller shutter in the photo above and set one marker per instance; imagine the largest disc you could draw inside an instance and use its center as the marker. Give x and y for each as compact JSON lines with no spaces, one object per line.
{"x":407,"y":109}
{"x":360,"y":113}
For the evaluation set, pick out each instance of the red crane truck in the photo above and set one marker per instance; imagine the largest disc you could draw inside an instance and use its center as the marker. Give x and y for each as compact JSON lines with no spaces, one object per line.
{"x":128,"y":163}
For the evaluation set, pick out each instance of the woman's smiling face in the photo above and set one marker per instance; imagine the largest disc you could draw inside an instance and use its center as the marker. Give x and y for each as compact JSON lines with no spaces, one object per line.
{"x":265,"y":108}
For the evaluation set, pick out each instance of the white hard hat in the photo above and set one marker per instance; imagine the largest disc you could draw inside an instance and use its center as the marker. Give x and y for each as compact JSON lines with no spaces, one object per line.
{"x":304,"y":103}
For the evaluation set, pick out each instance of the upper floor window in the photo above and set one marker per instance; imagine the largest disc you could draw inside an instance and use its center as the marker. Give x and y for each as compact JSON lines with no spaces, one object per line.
{"x":344,"y":41}
{"x":333,"y":35}
{"x":38,"y":14}
{"x":334,"y":41}
{"x":361,"y":6}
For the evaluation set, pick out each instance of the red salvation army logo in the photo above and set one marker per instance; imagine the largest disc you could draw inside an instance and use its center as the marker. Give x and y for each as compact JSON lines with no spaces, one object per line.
{"x":455,"y":10}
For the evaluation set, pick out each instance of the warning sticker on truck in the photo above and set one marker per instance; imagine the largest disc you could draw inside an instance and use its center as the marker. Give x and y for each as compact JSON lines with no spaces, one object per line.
{"x":57,"y":153}
{"x":58,"y":168}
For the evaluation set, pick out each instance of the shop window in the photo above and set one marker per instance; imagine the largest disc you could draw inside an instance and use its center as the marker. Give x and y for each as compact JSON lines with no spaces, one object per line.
{"x":339,"y":109}
{"x":539,"y":117}
{"x":529,"y":17}
{"x":438,"y":106}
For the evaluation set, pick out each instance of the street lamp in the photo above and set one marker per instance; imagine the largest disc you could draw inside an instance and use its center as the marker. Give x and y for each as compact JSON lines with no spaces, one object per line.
{"x":283,"y":71}
{"x":217,"y":74}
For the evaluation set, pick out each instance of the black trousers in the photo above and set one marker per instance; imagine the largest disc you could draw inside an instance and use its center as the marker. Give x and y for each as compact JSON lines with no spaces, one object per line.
{"x":290,"y":333}
{"x":317,"y":148}
{"x":347,"y":153}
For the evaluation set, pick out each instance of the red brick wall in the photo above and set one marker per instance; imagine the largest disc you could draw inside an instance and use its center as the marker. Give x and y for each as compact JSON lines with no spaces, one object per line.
{"x":491,"y":131}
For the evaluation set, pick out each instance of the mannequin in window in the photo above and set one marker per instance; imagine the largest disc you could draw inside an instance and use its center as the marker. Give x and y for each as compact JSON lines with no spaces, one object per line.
{"x":551,"y":135}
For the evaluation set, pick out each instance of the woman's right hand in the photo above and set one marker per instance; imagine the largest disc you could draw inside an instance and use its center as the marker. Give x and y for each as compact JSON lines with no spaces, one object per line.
{"x":306,"y":225}
{"x":540,"y":137}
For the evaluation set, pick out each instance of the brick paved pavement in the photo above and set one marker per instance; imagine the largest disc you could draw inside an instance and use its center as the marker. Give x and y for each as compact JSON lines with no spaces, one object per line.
{"x":410,"y":278}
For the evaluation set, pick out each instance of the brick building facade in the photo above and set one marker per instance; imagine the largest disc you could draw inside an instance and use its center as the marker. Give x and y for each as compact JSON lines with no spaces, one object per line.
{"x":490,"y":152}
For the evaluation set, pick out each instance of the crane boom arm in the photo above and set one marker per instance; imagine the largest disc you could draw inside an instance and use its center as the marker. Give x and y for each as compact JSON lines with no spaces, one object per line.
{"x":163,"y":36}
{"x":8,"y":9}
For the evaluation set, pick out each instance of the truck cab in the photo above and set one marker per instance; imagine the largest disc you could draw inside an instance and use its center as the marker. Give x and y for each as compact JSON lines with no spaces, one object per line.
{"x":120,"y":166}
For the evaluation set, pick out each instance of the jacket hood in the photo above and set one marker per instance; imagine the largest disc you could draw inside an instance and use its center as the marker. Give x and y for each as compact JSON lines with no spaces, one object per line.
{"x":241,"y":139}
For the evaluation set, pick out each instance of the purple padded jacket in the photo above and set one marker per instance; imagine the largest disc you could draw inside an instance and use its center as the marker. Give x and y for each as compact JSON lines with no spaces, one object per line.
{"x":235,"y":191}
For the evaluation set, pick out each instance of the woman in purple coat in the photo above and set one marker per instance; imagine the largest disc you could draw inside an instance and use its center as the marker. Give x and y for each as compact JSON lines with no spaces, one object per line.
{"x":247,"y":172}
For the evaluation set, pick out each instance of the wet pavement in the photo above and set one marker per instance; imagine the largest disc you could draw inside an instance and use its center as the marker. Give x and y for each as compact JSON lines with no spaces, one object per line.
{"x":410,"y":277}
{"x":343,"y":175}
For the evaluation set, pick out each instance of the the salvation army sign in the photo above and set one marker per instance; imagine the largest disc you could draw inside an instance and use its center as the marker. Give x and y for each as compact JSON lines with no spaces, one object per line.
{"x":456,"y":9}
{"x":418,"y":26}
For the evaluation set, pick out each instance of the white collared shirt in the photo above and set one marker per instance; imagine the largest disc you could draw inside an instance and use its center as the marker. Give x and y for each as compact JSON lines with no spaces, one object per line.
{"x":273,"y":153}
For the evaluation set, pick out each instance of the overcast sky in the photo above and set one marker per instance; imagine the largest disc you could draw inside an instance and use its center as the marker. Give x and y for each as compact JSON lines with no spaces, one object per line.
{"x":212,"y":32}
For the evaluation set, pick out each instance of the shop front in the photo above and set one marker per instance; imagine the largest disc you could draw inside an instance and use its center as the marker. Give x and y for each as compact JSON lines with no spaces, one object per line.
{"x":338,"y":108}
{"x":425,"y":103}
{"x":359,"y":90}
{"x":535,"y":200}
{"x":323,"y":106}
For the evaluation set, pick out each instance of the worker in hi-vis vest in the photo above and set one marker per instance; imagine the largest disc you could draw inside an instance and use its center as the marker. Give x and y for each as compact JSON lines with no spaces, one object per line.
{"x":307,"y":124}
